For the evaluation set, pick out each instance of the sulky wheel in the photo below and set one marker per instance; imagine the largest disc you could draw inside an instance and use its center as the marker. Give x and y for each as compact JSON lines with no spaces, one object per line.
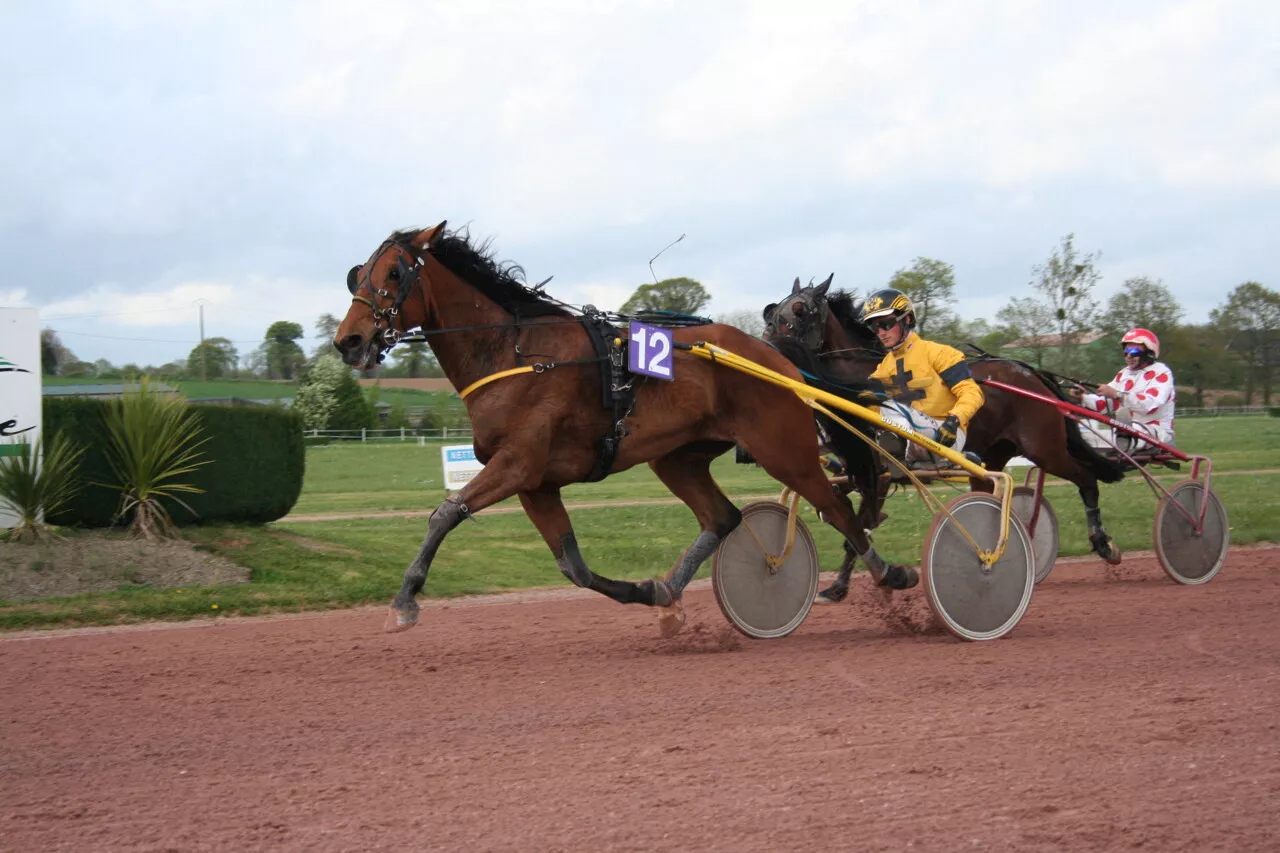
{"x":1045,"y":539}
{"x":761,"y":602}
{"x":973,"y":601}
{"x":1187,"y":556}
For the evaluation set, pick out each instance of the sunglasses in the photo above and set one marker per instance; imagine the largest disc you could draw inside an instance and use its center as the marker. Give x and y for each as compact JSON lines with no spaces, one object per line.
{"x":883,"y":324}
{"x":1134,"y":350}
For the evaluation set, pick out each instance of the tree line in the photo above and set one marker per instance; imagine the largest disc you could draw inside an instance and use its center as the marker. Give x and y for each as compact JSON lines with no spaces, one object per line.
{"x":1057,"y":324}
{"x":279,"y":356}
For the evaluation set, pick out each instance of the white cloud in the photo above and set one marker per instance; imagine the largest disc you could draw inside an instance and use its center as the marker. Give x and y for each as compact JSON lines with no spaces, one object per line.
{"x":15,"y":298}
{"x":174,"y":148}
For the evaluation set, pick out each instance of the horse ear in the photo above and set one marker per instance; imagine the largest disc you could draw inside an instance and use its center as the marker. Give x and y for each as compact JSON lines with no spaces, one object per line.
{"x":769,"y":311}
{"x":821,"y":290}
{"x":428,"y":237}
{"x":795,"y":288}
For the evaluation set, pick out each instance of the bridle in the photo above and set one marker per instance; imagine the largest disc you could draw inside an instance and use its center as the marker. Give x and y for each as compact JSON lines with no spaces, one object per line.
{"x":809,"y":328}
{"x":387,"y":324}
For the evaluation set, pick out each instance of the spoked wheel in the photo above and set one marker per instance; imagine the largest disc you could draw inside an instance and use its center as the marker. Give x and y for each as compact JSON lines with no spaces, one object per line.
{"x":764,"y":602}
{"x":1044,"y":541}
{"x":1187,"y":556}
{"x":973,"y":601}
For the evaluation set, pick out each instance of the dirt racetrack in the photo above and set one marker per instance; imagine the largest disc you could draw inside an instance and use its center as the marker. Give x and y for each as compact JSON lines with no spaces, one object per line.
{"x":1122,"y":713}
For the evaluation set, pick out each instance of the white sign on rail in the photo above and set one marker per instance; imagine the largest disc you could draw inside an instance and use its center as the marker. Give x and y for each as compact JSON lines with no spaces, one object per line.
{"x":460,"y":465}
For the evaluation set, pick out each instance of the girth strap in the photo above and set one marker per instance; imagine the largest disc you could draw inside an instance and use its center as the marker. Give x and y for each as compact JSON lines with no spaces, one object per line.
{"x":617,"y":390}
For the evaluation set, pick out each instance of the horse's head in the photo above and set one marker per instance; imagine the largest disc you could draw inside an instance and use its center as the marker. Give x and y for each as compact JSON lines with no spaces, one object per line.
{"x":801,"y":316}
{"x":388,"y":297}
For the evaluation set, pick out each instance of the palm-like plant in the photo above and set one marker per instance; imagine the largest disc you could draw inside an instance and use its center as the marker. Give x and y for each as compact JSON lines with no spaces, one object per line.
{"x":32,"y":489}
{"x":153,"y":439}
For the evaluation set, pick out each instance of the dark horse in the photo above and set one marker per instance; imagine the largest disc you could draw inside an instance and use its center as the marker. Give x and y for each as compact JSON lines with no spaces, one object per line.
{"x":540,"y":430}
{"x":847,"y":352}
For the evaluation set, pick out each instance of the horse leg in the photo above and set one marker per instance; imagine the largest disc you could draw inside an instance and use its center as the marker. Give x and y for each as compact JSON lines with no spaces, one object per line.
{"x":1103,"y":545}
{"x":498,"y":481}
{"x":804,"y":475}
{"x":546,"y":510}
{"x":688,"y":475}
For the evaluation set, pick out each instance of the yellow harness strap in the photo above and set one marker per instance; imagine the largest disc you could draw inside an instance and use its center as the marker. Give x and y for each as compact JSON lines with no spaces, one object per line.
{"x":501,"y":374}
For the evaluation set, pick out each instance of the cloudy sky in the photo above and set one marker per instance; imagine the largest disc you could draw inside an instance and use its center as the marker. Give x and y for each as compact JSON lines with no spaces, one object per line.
{"x":246,"y":154}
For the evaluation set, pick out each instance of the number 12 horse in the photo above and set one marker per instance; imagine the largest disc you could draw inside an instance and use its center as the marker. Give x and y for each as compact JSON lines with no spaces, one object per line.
{"x":536,"y":429}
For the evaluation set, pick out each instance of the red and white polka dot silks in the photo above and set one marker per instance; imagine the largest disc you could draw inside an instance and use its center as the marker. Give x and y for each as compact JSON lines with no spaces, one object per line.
{"x":1147,"y":393}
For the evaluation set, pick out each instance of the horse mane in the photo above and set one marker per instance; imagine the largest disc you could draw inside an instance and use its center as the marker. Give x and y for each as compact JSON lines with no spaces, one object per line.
{"x":501,"y":281}
{"x":844,"y":305}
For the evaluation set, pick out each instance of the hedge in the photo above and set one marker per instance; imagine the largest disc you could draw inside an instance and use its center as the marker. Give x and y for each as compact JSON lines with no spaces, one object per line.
{"x":255,"y":471}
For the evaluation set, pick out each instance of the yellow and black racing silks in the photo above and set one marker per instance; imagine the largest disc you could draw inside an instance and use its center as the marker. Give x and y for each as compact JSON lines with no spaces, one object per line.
{"x":931,"y":377}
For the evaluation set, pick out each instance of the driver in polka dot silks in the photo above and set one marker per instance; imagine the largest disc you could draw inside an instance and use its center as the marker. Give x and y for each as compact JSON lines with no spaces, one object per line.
{"x":1144,"y":387}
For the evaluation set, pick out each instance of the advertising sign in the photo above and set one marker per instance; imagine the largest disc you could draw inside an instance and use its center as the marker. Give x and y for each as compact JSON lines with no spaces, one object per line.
{"x":460,"y":465}
{"x":19,"y":385}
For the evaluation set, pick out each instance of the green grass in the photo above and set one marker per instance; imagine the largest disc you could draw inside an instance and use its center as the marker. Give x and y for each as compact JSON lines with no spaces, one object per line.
{"x":349,"y":478}
{"x":322,"y":565}
{"x":317,"y":565}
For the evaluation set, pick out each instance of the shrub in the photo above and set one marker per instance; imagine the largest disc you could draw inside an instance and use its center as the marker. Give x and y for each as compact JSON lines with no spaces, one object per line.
{"x":153,"y":445}
{"x":257,"y":460}
{"x":31,"y":490}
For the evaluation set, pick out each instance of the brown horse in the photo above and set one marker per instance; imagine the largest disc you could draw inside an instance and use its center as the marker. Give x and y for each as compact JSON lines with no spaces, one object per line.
{"x":847,"y":352}
{"x":543,"y":428}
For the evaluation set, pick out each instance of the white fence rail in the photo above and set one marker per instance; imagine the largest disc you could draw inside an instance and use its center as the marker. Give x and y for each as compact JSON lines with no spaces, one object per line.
{"x":402,"y":434}
{"x":1215,"y":411}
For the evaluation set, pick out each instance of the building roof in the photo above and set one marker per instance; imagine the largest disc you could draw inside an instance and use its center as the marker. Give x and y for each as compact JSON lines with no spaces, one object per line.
{"x":101,"y":389}
{"x":1052,"y":340}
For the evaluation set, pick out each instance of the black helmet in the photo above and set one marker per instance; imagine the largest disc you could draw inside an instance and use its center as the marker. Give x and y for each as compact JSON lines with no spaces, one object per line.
{"x":887,"y":302}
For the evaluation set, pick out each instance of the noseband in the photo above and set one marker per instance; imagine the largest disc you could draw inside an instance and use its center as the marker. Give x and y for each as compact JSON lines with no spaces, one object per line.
{"x":387,"y":325}
{"x":809,"y":329}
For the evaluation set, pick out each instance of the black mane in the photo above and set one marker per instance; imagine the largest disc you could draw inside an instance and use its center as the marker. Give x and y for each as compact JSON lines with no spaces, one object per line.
{"x":503,"y":282}
{"x":845,"y":306}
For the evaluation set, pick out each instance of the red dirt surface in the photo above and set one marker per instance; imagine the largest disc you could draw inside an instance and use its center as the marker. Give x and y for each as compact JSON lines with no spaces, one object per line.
{"x":1122,"y":713}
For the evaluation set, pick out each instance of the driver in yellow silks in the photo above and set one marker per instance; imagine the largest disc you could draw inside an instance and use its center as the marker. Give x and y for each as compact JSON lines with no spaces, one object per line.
{"x":931,"y":390}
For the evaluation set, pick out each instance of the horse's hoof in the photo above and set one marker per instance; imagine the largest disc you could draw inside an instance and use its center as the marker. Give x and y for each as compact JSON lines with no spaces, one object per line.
{"x":671,"y":620}
{"x":1106,"y":548}
{"x":833,"y":594}
{"x":900,"y":577}
{"x":659,"y":593}
{"x":399,"y":620}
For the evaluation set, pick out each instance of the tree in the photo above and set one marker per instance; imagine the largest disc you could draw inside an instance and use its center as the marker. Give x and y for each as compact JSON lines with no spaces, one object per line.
{"x":213,"y":359}
{"x":326,"y":330}
{"x":283,"y":354}
{"x":414,"y":360}
{"x":678,"y":295}
{"x":53,"y":354}
{"x":1142,"y":302}
{"x":1251,"y":319}
{"x":329,"y":397}
{"x":104,"y":369}
{"x":748,"y":321}
{"x":929,"y":284}
{"x":1026,"y":319}
{"x":1064,"y":304}
{"x":1199,"y":358}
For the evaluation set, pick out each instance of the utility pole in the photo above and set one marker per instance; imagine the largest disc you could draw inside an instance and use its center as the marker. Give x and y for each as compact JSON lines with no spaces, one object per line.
{"x":204,"y":353}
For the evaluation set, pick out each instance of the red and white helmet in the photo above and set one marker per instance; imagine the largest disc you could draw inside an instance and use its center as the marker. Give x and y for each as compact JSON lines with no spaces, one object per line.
{"x":1143,"y":338}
